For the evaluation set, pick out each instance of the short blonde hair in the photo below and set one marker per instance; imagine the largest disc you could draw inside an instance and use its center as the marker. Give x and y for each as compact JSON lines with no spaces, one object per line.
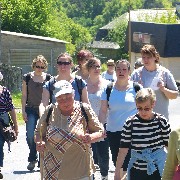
{"x":39,"y":58}
{"x":145,"y":94}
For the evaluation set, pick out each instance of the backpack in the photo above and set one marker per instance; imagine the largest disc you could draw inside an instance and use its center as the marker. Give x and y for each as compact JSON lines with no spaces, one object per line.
{"x":28,"y":77}
{"x":79,"y":86}
{"x":78,"y":83}
{"x":82,"y":110}
{"x":109,"y":88}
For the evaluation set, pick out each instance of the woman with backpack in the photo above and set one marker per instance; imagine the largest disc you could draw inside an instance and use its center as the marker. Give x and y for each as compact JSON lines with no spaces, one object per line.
{"x":119,"y":102}
{"x":32,"y":88}
{"x":64,"y":65}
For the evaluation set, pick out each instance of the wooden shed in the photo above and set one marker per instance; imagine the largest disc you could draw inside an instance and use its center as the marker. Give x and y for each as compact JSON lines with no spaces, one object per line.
{"x":19,"y":49}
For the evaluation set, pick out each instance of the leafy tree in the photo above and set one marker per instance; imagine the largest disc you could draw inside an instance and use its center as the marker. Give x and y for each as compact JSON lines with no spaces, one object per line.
{"x":27,"y":16}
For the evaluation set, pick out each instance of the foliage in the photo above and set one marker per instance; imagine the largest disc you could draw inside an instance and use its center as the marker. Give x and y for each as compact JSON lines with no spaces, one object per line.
{"x":16,"y":96}
{"x":169,"y":17}
{"x":45,"y":18}
{"x":118,"y":35}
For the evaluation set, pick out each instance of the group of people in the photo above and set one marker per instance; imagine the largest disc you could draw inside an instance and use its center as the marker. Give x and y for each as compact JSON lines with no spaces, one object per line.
{"x":73,"y":118}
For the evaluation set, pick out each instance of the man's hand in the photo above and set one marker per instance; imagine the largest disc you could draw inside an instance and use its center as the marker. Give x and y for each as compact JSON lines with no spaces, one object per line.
{"x":40,"y":146}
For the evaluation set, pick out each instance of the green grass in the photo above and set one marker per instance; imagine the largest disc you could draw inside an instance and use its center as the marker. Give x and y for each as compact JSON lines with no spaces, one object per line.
{"x":17,"y":103}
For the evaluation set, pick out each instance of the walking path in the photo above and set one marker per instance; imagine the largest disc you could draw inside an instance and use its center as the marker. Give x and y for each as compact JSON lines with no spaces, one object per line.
{"x":15,"y":162}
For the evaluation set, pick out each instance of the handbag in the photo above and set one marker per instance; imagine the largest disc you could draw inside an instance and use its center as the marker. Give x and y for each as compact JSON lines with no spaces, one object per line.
{"x":8,"y":131}
{"x":177,"y":173}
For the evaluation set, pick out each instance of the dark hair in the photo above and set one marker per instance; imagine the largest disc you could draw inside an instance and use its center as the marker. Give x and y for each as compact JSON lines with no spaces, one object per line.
{"x":84,"y":54}
{"x":123,"y":60}
{"x":66,"y":55}
{"x":151,"y":50}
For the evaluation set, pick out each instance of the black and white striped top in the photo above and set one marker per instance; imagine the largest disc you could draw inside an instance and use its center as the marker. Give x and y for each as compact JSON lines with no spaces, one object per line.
{"x":139,"y":134}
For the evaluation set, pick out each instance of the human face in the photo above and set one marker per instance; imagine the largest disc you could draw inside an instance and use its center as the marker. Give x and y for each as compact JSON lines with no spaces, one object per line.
{"x":65,"y":102}
{"x":145,"y":109}
{"x":39,"y":67}
{"x":63,"y":64}
{"x":111,"y":67}
{"x":148,"y":61}
{"x":95,"y":69}
{"x":122,"y":71}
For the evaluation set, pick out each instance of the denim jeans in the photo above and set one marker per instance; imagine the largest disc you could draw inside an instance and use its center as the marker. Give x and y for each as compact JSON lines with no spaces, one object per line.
{"x":101,"y":152}
{"x":32,"y":116}
{"x":1,"y":150}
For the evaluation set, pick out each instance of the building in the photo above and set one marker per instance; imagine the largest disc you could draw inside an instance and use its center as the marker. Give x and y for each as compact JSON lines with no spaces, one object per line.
{"x":19,"y":49}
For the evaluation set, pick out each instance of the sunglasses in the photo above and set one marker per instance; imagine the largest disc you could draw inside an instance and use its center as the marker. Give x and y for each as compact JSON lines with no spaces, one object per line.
{"x":110,"y":65}
{"x":143,"y":109}
{"x":40,"y":67}
{"x":96,"y":67}
{"x":63,"y":63}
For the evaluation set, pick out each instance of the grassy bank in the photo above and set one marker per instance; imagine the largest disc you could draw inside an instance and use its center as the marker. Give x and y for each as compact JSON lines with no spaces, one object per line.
{"x":17,"y":103}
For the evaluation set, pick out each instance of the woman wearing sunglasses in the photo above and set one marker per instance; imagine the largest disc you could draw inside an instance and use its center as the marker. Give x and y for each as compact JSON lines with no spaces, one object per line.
{"x":147,"y":134}
{"x":64,"y":65}
{"x":32,"y":88}
{"x":95,"y":85}
{"x":110,"y":74}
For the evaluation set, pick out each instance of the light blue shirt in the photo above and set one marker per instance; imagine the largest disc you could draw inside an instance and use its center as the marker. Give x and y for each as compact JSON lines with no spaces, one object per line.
{"x":121,"y":106}
{"x":157,"y":157}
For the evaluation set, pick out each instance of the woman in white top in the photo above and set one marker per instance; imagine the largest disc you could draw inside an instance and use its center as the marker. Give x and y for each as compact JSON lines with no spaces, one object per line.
{"x":156,"y":77}
{"x":95,"y":85}
{"x":110,"y":74}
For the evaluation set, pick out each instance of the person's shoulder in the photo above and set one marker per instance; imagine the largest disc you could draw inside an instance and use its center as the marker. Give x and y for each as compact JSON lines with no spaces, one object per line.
{"x":138,"y":70}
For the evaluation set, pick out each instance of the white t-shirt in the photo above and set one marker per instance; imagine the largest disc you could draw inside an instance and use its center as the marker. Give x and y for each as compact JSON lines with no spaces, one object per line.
{"x":145,"y":78}
{"x":110,"y":77}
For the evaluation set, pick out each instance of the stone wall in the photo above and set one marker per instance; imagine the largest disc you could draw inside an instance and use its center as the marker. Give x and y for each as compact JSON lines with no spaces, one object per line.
{"x":12,"y":77}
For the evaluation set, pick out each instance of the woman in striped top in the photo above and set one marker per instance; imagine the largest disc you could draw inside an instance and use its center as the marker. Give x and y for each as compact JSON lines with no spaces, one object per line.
{"x":147,"y":134}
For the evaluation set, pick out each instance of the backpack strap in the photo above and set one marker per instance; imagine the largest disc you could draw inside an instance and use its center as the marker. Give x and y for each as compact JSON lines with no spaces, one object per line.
{"x":49,"y":114}
{"x":51,"y":88}
{"x":79,"y":86}
{"x":28,"y":77}
{"x":84,"y":112}
{"x":48,"y":77}
{"x":136,"y":86}
{"x":108,"y":90}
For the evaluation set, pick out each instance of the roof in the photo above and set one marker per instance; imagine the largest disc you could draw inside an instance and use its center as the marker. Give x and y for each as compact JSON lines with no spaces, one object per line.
{"x":33,"y":37}
{"x":104,"y":45}
{"x":139,"y":15}
{"x":165,"y":37}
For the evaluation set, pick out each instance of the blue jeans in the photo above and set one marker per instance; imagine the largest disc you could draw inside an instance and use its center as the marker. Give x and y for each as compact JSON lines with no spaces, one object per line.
{"x":33,"y":116}
{"x":101,"y":151}
{"x":1,"y":150}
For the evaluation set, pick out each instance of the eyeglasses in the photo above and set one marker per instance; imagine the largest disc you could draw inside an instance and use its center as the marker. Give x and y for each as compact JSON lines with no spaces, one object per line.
{"x":40,"y":67}
{"x":110,"y":65}
{"x":143,"y":109}
{"x":96,"y":67}
{"x":63,"y":63}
